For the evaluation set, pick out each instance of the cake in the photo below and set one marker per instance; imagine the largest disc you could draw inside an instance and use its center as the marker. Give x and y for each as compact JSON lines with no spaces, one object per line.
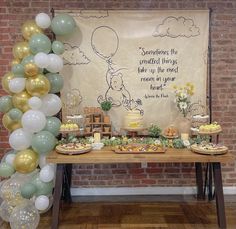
{"x":133,"y":120}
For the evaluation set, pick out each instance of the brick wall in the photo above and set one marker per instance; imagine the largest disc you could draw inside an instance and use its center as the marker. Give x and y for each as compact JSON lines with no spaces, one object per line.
{"x":14,"y":12}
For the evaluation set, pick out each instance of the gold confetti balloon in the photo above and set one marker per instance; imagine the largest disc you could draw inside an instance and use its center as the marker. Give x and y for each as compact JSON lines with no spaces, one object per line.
{"x":31,"y":69}
{"x":30,"y":28}
{"x":20,"y":101}
{"x":26,"y":161}
{"x":21,"y":50}
{"x":38,"y":85}
{"x":15,"y":61}
{"x":5,"y":81}
{"x":10,"y":124}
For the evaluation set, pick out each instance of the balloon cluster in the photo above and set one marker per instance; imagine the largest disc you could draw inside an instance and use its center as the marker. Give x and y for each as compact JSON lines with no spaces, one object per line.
{"x":29,"y":111}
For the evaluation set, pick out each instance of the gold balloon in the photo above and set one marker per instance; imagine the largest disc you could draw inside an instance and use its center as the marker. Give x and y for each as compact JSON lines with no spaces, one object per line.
{"x":30,"y":28}
{"x":21,"y":50}
{"x":38,"y":85}
{"x":31,"y":69}
{"x":20,"y":101}
{"x":10,"y":124}
{"x":15,"y":61}
{"x":26,"y":161}
{"x":5,"y":81}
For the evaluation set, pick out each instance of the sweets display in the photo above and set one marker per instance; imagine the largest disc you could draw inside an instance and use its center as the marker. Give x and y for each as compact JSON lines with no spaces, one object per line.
{"x":73,"y":148}
{"x":133,"y":120}
{"x":209,"y":148}
{"x":170,"y":132}
{"x":210,"y":128}
{"x":140,"y":148}
{"x":69,"y":127}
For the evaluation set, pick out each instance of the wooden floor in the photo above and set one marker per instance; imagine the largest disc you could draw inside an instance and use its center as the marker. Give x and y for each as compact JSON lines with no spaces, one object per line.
{"x":141,"y":213}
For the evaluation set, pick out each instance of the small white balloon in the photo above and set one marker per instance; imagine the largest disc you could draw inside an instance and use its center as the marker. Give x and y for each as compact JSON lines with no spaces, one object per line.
{"x":42,"y":160}
{"x":43,"y":20}
{"x":41,"y":59}
{"x":10,"y":158}
{"x":33,"y":121}
{"x":42,"y":202}
{"x":47,"y":173}
{"x":20,"y":139}
{"x":17,"y":85}
{"x":51,"y":104}
{"x":35,"y":103}
{"x":55,"y":63}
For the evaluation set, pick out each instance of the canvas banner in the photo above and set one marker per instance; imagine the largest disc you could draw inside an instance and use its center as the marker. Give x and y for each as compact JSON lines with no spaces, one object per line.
{"x":133,"y":58}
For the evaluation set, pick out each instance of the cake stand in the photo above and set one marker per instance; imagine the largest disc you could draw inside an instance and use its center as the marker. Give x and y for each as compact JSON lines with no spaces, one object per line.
{"x":133,"y":132}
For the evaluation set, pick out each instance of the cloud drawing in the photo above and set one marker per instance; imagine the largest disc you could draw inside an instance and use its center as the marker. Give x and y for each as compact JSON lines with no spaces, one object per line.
{"x":177,"y":27}
{"x":74,"y":56}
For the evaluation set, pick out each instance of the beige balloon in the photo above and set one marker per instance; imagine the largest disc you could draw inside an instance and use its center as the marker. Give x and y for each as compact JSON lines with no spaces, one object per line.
{"x":5,"y":81}
{"x":21,"y":50}
{"x":38,"y":85}
{"x":20,"y":101}
{"x":31,"y":69}
{"x":26,"y":161}
{"x":10,"y":124}
{"x":30,"y":28}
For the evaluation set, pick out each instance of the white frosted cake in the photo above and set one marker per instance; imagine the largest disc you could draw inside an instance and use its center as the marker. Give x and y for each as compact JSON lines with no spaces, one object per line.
{"x":133,"y":120}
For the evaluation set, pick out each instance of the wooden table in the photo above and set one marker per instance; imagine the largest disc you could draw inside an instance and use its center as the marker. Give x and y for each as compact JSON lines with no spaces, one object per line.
{"x":106,"y":155}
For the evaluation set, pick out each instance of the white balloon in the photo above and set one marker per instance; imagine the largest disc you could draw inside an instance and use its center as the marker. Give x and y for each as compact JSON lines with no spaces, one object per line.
{"x":42,"y":160}
{"x":42,"y":202}
{"x":33,"y":121}
{"x":51,"y":104}
{"x":47,"y":173}
{"x":10,"y":158}
{"x":20,"y":139}
{"x":43,"y":20}
{"x":17,"y":85}
{"x":55,"y":63}
{"x":41,"y":59}
{"x":35,"y":103}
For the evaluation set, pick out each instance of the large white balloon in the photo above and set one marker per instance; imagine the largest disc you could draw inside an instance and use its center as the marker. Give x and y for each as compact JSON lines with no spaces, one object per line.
{"x":47,"y":173}
{"x":55,"y":63}
{"x":35,"y":103}
{"x":10,"y":158}
{"x":43,"y":20}
{"x":17,"y":85}
{"x":20,"y":139}
{"x":41,"y":59}
{"x":42,"y":202}
{"x":33,"y":121}
{"x":51,"y":104}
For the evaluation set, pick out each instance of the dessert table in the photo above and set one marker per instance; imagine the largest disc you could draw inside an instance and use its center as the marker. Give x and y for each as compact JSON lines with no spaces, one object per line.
{"x":107,"y":156}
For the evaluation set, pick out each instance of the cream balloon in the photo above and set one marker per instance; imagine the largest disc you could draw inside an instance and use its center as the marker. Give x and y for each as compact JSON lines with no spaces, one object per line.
{"x":20,"y":139}
{"x":55,"y":63}
{"x":33,"y":121}
{"x":47,"y":173}
{"x":51,"y":104}
{"x":41,"y":59}
{"x":35,"y":103}
{"x":17,"y":85}
{"x":42,"y":202}
{"x":43,"y":20}
{"x":10,"y":158}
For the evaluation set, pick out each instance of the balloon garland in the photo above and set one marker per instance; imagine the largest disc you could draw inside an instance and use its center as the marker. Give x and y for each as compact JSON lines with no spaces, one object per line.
{"x":28,"y":116}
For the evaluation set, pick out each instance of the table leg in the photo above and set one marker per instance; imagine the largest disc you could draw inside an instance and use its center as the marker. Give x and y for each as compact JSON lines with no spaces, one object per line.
{"x":67,"y":183}
{"x":210,"y":195}
{"x":57,"y":196}
{"x":199,"y":181}
{"x":220,"y":205}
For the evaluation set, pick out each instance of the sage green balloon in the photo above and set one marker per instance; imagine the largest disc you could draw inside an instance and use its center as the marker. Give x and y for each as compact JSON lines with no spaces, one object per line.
{"x":27,"y":59}
{"x":40,"y":43}
{"x":58,"y":47}
{"x":56,"y":82}
{"x":15,"y":114}
{"x":43,"y":142}
{"x":18,"y":70}
{"x":63,"y":24}
{"x":6,"y":170}
{"x":28,"y":190}
{"x":5,"y":103}
{"x":42,"y":188}
{"x":53,"y":125}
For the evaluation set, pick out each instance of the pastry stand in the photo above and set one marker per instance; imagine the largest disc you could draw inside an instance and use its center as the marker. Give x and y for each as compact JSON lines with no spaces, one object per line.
{"x":133,"y":132}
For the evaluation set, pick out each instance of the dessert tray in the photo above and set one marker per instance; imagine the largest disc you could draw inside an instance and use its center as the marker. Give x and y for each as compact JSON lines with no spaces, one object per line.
{"x":209,"y":148}
{"x":139,"y":149}
{"x":73,"y":148}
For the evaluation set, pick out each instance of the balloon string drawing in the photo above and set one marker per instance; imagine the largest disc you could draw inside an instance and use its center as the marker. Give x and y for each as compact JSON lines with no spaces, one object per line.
{"x":29,"y":111}
{"x":116,"y":92}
